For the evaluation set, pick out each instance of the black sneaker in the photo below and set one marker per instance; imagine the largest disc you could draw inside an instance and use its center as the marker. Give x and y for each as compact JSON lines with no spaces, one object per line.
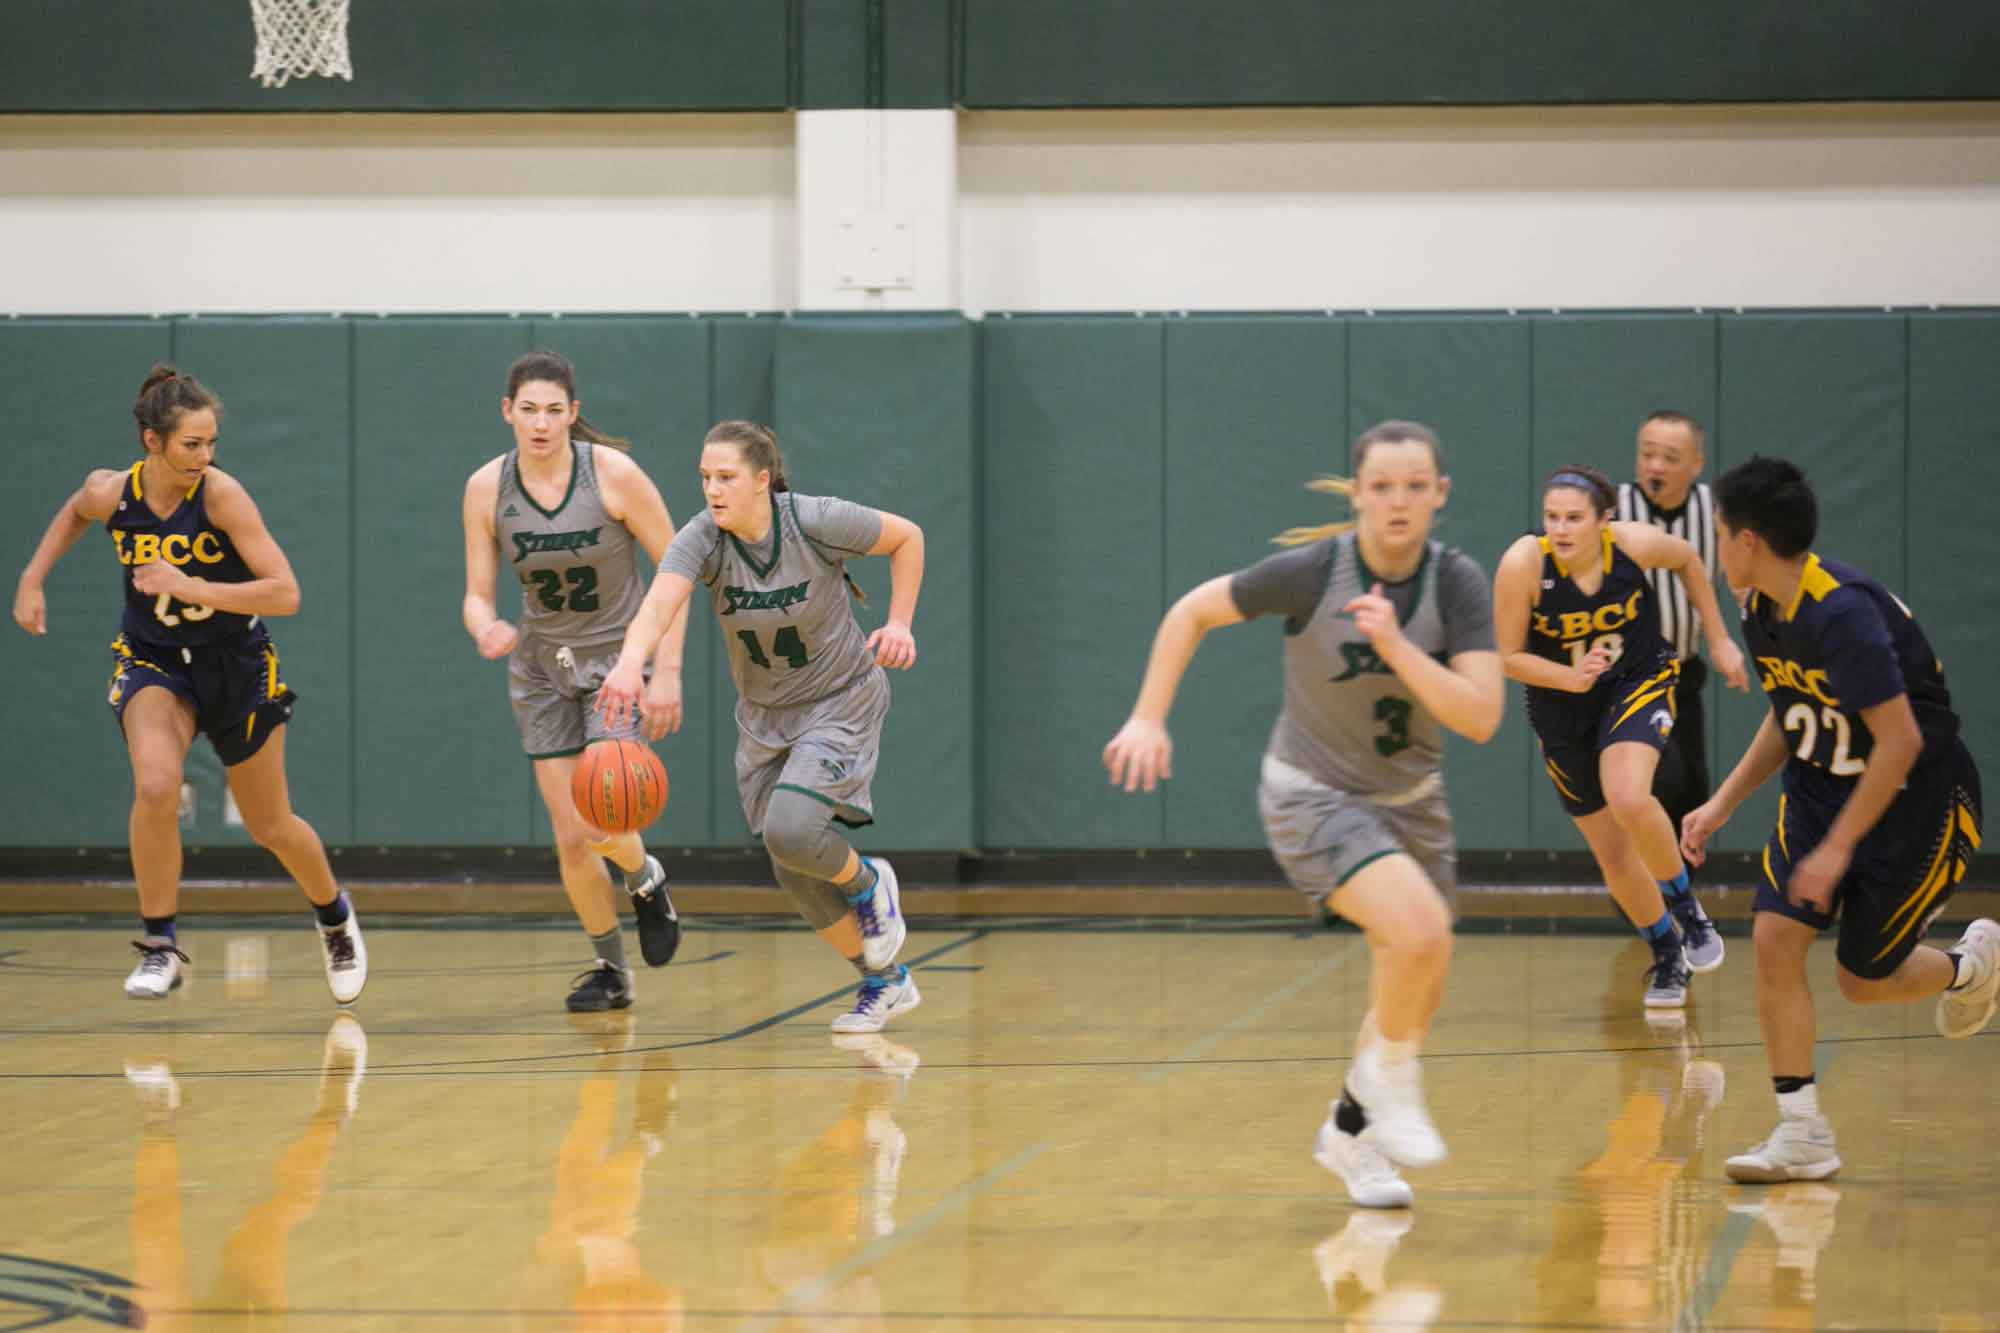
{"x":659,"y":923}
{"x":602,"y":987}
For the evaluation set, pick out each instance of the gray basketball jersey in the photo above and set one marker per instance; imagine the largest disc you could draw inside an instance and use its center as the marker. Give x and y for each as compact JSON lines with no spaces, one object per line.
{"x":783,"y":606}
{"x":580,"y":578}
{"x":1349,"y":721}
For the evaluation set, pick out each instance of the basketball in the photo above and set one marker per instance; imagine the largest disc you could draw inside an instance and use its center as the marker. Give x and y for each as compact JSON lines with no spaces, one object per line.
{"x":619,"y":786}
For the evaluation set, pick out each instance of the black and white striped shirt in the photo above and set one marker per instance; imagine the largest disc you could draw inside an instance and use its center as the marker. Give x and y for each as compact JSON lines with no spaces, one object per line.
{"x":1693,"y":522}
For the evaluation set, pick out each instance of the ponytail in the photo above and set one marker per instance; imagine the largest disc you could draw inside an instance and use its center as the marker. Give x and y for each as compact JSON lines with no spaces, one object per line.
{"x":1342,"y":486}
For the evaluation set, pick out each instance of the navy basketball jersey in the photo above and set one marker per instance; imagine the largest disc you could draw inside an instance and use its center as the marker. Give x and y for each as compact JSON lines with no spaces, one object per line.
{"x":184,"y":538}
{"x":1845,"y":644}
{"x":1567,"y":623}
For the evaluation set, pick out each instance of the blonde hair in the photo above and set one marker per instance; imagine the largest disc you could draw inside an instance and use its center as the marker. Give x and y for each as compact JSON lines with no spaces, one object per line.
{"x":1382,"y":432}
{"x":758,"y":447}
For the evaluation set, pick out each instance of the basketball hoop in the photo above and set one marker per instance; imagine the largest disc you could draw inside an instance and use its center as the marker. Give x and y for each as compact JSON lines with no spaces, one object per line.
{"x":296,"y":38}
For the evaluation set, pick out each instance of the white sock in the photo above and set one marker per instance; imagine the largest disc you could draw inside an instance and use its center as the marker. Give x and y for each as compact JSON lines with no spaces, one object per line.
{"x":1800,"y":1105}
{"x":1393,"y":1053}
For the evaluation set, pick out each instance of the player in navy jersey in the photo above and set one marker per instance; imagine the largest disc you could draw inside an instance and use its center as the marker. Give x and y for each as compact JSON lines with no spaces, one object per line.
{"x":1880,"y":811}
{"x":1575,"y":619}
{"x":201,"y":572}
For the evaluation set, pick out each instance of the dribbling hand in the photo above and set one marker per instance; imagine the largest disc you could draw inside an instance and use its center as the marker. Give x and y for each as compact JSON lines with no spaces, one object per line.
{"x":618,"y":696}
{"x":497,"y":640}
{"x":660,"y":705}
{"x":894,"y":646}
{"x":1139,"y":756}
{"x":31,"y":610}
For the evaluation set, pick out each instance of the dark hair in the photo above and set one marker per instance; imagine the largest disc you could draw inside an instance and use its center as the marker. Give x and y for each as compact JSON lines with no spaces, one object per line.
{"x":1382,"y":432}
{"x":1772,"y":498}
{"x":166,"y":396}
{"x":1582,"y":477}
{"x":554,"y":368}
{"x":1674,"y":417}
{"x":758,"y":445}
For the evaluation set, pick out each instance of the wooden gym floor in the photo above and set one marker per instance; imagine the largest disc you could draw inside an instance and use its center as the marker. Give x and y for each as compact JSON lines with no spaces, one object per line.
{"x":1085,"y":1125}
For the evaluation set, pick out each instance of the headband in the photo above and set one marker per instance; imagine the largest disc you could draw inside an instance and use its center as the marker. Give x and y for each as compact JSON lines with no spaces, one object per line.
{"x":1571,"y":481}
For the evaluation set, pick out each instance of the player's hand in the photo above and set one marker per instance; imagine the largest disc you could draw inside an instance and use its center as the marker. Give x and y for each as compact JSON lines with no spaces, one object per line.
{"x":1729,"y":661}
{"x":157,"y":576}
{"x":1697,"y":827}
{"x":1814,"y":878}
{"x":1140,"y":755}
{"x":31,"y":609}
{"x":660,"y":705}
{"x":1375,"y":616}
{"x":894,"y":646}
{"x":618,"y":696}
{"x":1594,"y":664}
{"x":497,"y":640}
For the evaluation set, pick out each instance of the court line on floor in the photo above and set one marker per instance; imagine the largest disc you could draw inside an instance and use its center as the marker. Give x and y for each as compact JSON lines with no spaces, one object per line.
{"x":800,"y":1297}
{"x":1193,"y":1053}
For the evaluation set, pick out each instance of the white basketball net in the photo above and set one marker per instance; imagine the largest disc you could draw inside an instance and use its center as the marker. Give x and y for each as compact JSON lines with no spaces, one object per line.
{"x":296,"y":38}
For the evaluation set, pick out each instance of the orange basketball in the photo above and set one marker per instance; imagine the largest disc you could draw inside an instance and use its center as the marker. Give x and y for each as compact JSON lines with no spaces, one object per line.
{"x":619,"y":786}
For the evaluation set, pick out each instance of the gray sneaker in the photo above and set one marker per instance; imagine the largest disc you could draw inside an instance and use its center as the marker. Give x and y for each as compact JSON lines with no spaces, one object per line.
{"x":1667,"y":983}
{"x":1701,"y":943}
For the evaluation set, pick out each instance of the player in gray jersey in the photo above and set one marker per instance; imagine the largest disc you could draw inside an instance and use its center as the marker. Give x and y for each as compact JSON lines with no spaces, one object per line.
{"x":811,"y":693}
{"x":1388,"y":642}
{"x":562,"y":511}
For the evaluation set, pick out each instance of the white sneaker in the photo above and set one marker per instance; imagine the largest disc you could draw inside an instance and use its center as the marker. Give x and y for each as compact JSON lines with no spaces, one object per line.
{"x":159,"y":1091}
{"x":344,"y":1056}
{"x":158,"y":973}
{"x":881,"y":917}
{"x":346,"y":958}
{"x":1393,"y":1098}
{"x":878,"y":1001}
{"x":1960,"y":1013}
{"x":1667,"y":983}
{"x":1370,"y":1177}
{"x":1800,"y":1148}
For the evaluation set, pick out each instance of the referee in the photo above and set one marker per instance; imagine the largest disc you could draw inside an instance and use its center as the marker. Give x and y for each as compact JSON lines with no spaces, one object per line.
{"x":1668,"y":496}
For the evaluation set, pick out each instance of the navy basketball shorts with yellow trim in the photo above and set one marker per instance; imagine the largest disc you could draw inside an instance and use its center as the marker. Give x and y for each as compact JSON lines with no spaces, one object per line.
{"x":1641,"y":711}
{"x":1902,"y":874}
{"x":233,"y":687}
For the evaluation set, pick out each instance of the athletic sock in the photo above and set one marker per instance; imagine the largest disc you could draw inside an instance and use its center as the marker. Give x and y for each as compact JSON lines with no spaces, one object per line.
{"x":861,"y":885}
{"x":610,"y":947}
{"x":1677,"y":887}
{"x":1797,"y":1097}
{"x":334,"y":913}
{"x":1660,"y":934}
{"x":160,"y":927}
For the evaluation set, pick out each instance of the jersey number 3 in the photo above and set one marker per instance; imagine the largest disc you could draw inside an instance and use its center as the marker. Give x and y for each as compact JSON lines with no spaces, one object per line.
{"x":1394,"y":715}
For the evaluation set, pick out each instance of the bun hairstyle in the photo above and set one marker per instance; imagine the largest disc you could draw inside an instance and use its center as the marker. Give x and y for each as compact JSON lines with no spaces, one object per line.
{"x":555,"y":368}
{"x":167,"y":395}
{"x":1382,"y":432}
{"x":1581,"y":477}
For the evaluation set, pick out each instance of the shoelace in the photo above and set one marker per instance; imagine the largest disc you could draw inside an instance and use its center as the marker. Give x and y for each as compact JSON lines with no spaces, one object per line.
{"x":1666,"y":972}
{"x":1694,"y":923}
{"x":865,"y":913}
{"x":155,"y":959}
{"x":874,"y":991}
{"x":340,"y":949}
{"x":601,"y":974}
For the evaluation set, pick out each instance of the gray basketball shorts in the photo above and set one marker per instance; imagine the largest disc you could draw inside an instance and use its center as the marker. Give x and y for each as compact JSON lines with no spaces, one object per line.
{"x":553,"y":688}
{"x":1322,"y":836}
{"x":826,"y":749}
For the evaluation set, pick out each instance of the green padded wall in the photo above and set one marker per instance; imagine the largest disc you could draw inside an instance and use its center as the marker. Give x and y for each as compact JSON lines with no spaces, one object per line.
{"x":881,"y":412}
{"x":69,"y":780}
{"x":1595,"y":379}
{"x":1828,"y":392}
{"x":287,"y":435}
{"x":437,"y":757}
{"x":1954,"y":473}
{"x":1467,"y":378}
{"x":1075,"y":556}
{"x":1255,"y":408}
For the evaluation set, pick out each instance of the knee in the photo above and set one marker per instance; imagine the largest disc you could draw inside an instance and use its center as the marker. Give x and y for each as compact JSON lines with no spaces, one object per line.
{"x":1420,"y":936}
{"x":268,"y":827}
{"x":1781,"y":946}
{"x":157,"y":793}
{"x":1858,"y":989}
{"x":1629,"y":805}
{"x":796,"y":836}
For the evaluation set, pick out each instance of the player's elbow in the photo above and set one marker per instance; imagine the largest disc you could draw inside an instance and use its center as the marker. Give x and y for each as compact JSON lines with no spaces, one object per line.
{"x":285,"y":598}
{"x":1484,"y":723}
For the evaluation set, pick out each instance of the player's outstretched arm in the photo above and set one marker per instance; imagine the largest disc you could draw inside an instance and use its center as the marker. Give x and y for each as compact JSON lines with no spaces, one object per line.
{"x":1142,"y":753}
{"x":1764,"y":756}
{"x":494,"y":636}
{"x":90,"y":503}
{"x":1654,"y":549}
{"x":1898,"y":741}
{"x":665,"y":600}
{"x":895,"y":644}
{"x":636,"y":502}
